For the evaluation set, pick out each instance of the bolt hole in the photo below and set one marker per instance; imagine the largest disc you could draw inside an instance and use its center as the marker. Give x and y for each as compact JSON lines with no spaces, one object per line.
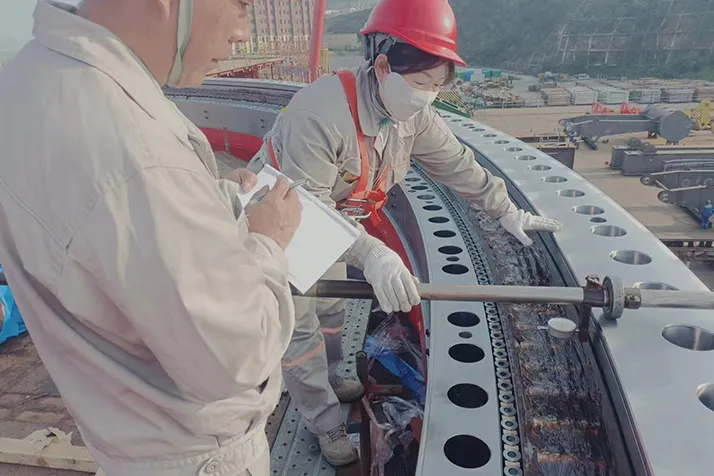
{"x":463,"y":319}
{"x":450,"y":250}
{"x":608,"y":230}
{"x":445,"y":233}
{"x":657,"y":286}
{"x":467,"y":451}
{"x":432,"y":208}
{"x":489,"y":135}
{"x":588,"y":210}
{"x":689,"y":337}
{"x":412,"y":179}
{"x":501,"y":141}
{"x":419,"y":187}
{"x":465,"y":335}
{"x":571,"y":193}
{"x":705,"y":393}
{"x":439,"y":220}
{"x":631,"y":257}
{"x":598,"y":220}
{"x":453,"y":259}
{"x":540,"y":167}
{"x":466,"y":353}
{"x":525,"y":157}
{"x":467,"y":395}
{"x":554,"y":179}
{"x":455,"y":269}
{"x":426,"y":197}
{"x":513,"y":149}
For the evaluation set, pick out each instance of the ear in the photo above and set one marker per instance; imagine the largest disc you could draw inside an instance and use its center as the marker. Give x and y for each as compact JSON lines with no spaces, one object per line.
{"x":381,"y":67}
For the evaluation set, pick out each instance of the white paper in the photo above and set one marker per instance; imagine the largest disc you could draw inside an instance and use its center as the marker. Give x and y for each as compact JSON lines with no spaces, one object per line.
{"x":321,"y":238}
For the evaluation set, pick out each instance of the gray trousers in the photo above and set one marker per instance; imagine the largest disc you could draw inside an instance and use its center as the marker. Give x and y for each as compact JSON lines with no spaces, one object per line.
{"x":315,"y":351}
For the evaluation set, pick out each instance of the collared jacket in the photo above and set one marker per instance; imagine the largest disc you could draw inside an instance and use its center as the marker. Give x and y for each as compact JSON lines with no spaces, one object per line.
{"x":160,"y":318}
{"x":315,"y":137}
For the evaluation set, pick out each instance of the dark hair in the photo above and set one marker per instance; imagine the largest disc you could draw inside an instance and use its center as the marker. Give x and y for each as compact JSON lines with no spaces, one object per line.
{"x":405,"y":59}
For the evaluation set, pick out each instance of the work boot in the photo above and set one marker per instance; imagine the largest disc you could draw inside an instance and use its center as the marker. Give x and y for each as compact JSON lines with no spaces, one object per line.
{"x":336,"y":447}
{"x":349,"y":391}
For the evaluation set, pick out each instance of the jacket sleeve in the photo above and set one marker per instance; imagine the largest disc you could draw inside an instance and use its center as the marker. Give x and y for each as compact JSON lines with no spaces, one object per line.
{"x":306,"y":147}
{"x":452,"y":164}
{"x":210,"y":300}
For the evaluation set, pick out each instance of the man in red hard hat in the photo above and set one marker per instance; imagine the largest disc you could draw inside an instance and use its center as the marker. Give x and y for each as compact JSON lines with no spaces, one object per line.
{"x":353,"y":136}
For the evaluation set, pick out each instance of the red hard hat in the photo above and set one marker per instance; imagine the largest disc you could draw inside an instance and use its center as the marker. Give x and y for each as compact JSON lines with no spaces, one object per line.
{"x":429,"y":25}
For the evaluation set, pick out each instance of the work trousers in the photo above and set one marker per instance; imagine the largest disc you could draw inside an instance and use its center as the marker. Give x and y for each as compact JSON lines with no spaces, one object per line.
{"x":311,"y":361}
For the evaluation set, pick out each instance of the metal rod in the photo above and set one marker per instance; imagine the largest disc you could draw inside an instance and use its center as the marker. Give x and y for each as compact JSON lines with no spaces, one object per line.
{"x":634,"y":298}
{"x":441,"y":292}
{"x":676,"y":299}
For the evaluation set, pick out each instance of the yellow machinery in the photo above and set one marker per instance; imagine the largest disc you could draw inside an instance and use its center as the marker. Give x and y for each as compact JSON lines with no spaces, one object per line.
{"x":701,"y":115}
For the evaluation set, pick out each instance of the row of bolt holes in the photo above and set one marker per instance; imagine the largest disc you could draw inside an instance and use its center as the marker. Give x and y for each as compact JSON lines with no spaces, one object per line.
{"x":624,"y":256}
{"x":470,"y":452}
{"x":688,"y":337}
{"x":465,"y":451}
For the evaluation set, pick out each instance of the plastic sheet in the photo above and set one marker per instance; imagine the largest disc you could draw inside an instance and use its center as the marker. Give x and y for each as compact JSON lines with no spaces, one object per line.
{"x":394,"y":435}
{"x":12,"y":324}
{"x":387,"y":342}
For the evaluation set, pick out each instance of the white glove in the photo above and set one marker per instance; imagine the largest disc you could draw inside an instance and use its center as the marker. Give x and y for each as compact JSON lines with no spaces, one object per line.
{"x":393,"y":284}
{"x":518,"y":222}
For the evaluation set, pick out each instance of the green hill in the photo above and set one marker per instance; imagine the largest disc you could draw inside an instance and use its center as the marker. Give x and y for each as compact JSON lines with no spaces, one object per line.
{"x":669,"y":38}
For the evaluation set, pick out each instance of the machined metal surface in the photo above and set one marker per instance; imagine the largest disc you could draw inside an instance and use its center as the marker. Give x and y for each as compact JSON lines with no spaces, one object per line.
{"x":653,"y":380}
{"x":467,"y":351}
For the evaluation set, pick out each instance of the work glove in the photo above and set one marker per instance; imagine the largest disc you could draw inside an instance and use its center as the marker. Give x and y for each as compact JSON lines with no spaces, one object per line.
{"x":394,"y":286}
{"x":518,"y":222}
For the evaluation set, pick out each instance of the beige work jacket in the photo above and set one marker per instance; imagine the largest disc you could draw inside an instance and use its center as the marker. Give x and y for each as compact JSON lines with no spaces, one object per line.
{"x":315,"y":137}
{"x":160,"y":318}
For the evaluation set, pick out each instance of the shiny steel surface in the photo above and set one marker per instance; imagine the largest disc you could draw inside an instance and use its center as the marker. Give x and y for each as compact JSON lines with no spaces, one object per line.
{"x":659,"y":381}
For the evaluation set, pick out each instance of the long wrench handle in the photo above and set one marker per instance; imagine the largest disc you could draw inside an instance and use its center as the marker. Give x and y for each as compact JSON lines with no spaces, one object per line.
{"x":441,"y":292}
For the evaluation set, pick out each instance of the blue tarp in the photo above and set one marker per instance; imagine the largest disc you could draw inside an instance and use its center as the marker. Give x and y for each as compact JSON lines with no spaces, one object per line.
{"x":13,"y":325}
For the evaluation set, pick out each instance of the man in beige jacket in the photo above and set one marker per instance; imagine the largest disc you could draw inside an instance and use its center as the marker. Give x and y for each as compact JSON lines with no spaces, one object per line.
{"x":159,"y":308}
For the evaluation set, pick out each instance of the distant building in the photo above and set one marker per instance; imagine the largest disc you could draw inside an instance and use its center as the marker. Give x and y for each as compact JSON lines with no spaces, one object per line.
{"x":279,"y":26}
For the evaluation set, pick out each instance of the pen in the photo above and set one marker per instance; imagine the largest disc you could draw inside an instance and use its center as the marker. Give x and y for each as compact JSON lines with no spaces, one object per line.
{"x":258,"y":198}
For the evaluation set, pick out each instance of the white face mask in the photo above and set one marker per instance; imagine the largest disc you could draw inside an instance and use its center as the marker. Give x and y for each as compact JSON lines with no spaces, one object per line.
{"x":401,"y":100}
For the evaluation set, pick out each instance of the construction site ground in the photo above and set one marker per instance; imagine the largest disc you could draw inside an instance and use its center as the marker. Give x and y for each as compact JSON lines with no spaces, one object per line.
{"x":667,"y":222}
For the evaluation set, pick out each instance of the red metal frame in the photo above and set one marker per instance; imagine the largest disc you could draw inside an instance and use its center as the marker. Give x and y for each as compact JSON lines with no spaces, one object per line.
{"x":241,"y":146}
{"x":318,"y":28}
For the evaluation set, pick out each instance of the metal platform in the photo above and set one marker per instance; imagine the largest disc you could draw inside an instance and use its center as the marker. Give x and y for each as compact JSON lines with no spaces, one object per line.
{"x":295,"y":451}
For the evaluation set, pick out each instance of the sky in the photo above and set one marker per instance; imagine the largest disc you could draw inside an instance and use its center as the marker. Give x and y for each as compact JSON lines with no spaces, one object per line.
{"x":16,"y":24}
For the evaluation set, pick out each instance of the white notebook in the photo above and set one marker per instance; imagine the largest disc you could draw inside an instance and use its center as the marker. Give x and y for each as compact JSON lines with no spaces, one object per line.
{"x":321,"y":238}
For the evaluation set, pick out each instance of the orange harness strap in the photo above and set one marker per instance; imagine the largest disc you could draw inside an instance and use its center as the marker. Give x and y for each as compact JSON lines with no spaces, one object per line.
{"x":363,"y":201}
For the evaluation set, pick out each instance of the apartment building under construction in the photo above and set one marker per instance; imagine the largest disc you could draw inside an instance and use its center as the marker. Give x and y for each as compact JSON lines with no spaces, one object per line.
{"x":280,"y":26}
